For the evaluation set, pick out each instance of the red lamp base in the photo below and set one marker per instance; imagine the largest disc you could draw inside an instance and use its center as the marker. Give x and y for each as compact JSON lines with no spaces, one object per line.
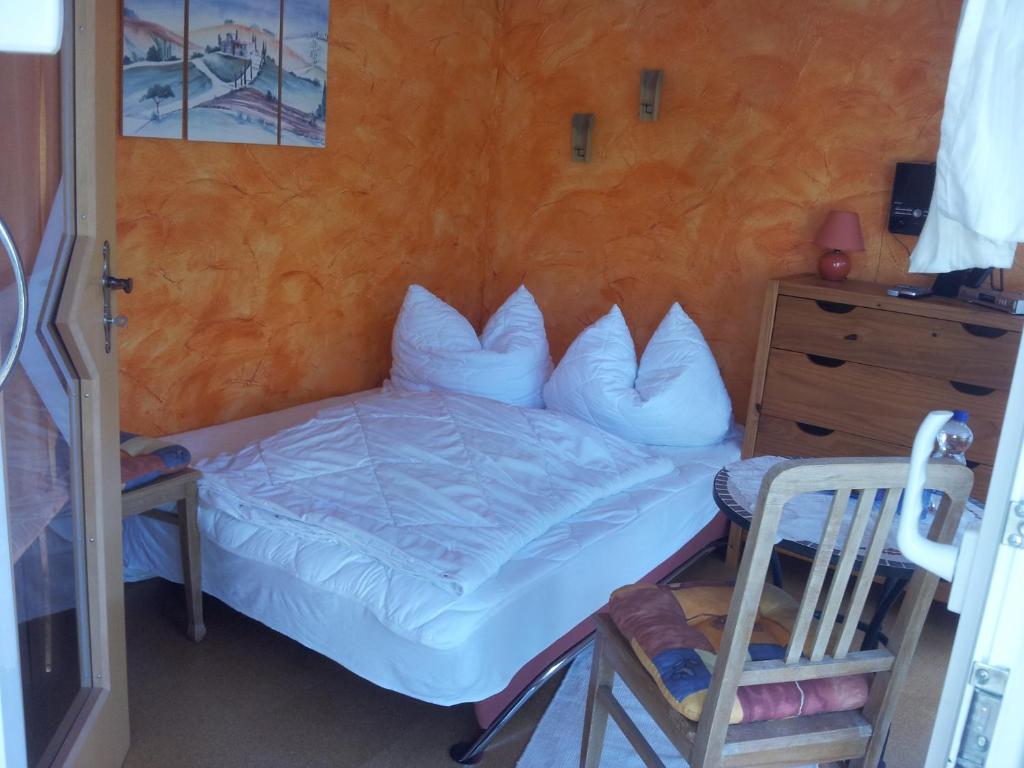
{"x":834,"y":265}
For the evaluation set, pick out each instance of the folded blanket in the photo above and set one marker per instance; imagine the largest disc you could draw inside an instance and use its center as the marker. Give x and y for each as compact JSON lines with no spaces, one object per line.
{"x":444,"y":486}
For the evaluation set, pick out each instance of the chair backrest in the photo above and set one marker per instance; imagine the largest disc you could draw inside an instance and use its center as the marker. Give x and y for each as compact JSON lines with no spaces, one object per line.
{"x":822,"y":647}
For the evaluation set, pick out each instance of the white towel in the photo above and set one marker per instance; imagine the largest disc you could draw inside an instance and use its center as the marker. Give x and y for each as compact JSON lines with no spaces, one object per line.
{"x":976,"y":216}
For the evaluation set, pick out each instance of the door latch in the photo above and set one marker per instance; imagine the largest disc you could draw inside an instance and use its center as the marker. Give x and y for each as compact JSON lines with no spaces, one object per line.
{"x":1014,"y":533}
{"x":111,"y":283}
{"x":989,"y":684}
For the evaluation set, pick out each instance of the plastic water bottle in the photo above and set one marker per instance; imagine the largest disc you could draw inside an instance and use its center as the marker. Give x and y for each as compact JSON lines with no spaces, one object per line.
{"x":954,"y":438}
{"x":952,"y":442}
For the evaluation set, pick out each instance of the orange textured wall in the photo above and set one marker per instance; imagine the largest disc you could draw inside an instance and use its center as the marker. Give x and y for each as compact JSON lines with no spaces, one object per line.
{"x":269,"y":276}
{"x":772,"y":112}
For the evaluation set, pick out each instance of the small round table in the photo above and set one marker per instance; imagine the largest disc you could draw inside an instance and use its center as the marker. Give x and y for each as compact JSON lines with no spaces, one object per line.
{"x":736,"y":488}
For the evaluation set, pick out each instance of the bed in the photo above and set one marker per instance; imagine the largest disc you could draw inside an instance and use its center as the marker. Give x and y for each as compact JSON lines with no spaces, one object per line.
{"x":484,"y":645}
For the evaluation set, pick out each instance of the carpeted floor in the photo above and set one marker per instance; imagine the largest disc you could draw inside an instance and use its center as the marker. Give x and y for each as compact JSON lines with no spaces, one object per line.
{"x":247,"y":696}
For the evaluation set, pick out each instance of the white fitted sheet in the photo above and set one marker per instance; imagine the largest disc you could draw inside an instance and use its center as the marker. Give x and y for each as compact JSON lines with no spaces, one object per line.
{"x":319,"y":593}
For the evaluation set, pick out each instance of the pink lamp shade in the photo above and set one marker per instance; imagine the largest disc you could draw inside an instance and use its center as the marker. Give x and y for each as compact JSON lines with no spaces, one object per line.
{"x":840,"y":232}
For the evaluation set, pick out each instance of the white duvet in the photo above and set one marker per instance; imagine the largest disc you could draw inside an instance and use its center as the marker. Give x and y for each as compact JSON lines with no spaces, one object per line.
{"x":445,"y":487}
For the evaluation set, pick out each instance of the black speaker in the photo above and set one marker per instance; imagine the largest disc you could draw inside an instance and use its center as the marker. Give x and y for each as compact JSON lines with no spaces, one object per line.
{"x":911,"y":196}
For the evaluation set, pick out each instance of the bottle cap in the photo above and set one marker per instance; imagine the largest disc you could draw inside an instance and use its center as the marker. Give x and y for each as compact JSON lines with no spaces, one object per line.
{"x":961,"y":416}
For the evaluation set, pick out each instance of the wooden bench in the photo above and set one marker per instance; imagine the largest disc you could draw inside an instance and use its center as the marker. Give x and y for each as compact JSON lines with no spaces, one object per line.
{"x":179,"y":489}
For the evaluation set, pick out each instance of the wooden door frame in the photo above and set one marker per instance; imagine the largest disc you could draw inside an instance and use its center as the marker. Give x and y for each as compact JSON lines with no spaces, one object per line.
{"x":100,"y":734}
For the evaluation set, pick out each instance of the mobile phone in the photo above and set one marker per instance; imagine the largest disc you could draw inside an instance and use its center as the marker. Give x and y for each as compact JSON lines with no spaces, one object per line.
{"x":909,"y":291}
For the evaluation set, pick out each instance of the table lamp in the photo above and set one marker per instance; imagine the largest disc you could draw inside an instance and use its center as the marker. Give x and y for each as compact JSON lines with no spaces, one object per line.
{"x":840,"y":233}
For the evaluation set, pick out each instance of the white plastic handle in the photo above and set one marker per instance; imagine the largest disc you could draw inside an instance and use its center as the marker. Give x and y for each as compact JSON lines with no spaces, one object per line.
{"x":932,"y":556}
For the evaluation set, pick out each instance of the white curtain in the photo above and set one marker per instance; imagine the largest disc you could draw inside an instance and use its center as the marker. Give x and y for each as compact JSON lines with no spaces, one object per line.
{"x":976,"y":217}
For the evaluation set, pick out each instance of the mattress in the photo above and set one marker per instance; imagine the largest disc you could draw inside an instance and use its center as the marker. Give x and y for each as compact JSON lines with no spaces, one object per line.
{"x":323,"y":594}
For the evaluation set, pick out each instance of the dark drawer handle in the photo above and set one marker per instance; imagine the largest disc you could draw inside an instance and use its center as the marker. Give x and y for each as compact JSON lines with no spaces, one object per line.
{"x":813,"y":429}
{"x":851,"y":337}
{"x":827,"y":362}
{"x":971,"y":389}
{"x":984,"y":331}
{"x":972,"y":464}
{"x":835,"y":307}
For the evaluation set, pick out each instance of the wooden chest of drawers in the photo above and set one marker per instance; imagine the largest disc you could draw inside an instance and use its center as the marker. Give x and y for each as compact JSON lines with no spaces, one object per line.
{"x":845,"y":370}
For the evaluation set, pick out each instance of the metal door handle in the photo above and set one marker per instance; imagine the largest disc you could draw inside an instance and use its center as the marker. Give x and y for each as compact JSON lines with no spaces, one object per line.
{"x":125,"y":284}
{"x":111,"y":283}
{"x":21,"y":325}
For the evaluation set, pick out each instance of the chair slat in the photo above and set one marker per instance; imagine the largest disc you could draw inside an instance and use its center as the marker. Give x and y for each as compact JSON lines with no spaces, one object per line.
{"x":817,"y":576}
{"x":797,"y":741}
{"x":778,"y":671}
{"x":869,"y":566}
{"x":841,"y":576}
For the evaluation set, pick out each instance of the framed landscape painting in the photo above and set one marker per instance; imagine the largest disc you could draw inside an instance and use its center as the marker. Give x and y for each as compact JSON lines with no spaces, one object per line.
{"x":233,"y":76}
{"x":251,"y":71}
{"x":304,"y":81}
{"x":151,"y":60}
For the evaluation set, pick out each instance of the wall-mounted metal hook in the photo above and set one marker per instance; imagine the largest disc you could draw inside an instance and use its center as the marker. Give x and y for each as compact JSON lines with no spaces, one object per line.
{"x":582,"y":128}
{"x":650,"y":93}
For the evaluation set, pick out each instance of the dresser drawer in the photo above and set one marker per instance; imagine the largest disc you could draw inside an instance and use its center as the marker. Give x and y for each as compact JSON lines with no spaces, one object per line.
{"x":943,"y":349}
{"x":875,"y":403}
{"x":785,"y":437}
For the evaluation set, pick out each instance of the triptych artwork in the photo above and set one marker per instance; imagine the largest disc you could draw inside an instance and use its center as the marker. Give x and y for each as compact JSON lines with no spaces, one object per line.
{"x":251,"y":71}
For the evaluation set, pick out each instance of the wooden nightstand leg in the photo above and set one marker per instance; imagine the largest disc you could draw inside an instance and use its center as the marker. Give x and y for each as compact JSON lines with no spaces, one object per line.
{"x":734,"y":548}
{"x":191,"y":562}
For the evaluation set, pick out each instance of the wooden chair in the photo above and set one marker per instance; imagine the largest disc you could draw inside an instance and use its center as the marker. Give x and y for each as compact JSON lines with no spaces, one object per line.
{"x":181,"y":490}
{"x":857,"y":736}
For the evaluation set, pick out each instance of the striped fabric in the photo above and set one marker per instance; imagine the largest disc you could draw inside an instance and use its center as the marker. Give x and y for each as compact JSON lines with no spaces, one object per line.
{"x":144,"y":459}
{"x":676,"y":632}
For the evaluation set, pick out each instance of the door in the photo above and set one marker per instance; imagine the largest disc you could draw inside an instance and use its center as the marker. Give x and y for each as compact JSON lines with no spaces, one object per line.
{"x":63,"y":692}
{"x":982,"y":705}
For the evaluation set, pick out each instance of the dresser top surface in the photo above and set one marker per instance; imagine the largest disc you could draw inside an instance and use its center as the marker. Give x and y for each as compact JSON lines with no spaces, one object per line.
{"x":866,"y":294}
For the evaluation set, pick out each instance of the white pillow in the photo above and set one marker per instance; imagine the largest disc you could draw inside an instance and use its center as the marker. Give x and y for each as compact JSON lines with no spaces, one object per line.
{"x":677,"y":398}
{"x":435,"y":348}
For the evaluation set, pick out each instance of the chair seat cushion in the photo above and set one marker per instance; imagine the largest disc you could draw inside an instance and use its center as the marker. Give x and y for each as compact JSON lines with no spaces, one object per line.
{"x":144,"y":459}
{"x":675,"y":632}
